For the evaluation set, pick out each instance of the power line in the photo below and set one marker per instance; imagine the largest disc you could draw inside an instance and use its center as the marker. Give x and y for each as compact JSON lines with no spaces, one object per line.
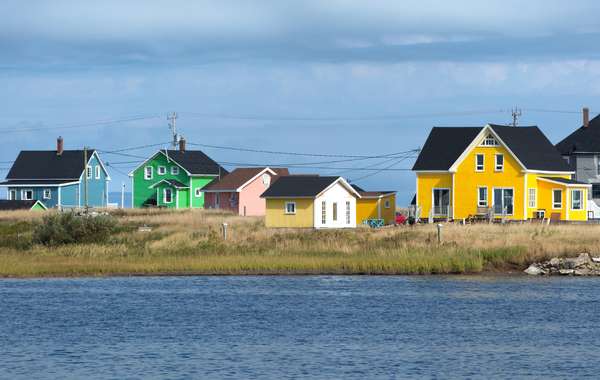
{"x":389,"y":167}
{"x":81,"y":125}
{"x":134,"y":148}
{"x":242,"y":164}
{"x":550,"y":111}
{"x":117,"y":169}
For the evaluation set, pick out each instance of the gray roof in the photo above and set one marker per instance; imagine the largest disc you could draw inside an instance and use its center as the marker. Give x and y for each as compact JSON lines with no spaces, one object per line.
{"x":582,"y":139}
{"x":298,"y":186}
{"x":46,"y":164}
{"x":195,"y":162}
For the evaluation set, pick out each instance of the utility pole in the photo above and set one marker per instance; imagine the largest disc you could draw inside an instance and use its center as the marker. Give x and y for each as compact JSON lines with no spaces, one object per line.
{"x":516,"y":113}
{"x":122,"y":194}
{"x":172,"y":117}
{"x":85,"y":178}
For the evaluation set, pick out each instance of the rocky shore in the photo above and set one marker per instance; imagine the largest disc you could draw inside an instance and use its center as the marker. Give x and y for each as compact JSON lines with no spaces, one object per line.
{"x":582,"y":265}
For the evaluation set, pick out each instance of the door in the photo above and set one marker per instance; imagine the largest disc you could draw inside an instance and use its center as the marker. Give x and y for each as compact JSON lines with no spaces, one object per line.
{"x":503,"y":201}
{"x":441,"y":201}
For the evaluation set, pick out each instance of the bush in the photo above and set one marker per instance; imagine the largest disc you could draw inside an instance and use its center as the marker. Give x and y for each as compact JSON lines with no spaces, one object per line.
{"x":68,"y":228}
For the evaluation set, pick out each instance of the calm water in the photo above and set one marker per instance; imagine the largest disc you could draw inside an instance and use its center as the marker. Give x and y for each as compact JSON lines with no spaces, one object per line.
{"x":300,"y":327}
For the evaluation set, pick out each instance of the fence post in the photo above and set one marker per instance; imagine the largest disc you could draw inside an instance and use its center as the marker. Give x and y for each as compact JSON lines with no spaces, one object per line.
{"x":439,"y":233}
{"x":224,"y":231}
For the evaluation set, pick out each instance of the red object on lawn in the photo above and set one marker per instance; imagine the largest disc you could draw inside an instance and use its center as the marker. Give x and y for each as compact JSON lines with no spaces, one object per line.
{"x":400,"y":219}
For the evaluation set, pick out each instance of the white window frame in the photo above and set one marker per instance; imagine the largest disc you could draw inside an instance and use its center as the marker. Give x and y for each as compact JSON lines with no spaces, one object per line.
{"x":477,"y":167}
{"x":499,"y":168}
{"x":174,"y":170}
{"x":387,"y":203}
{"x":161,"y":170}
{"x":266,"y":180}
{"x":323,"y":212}
{"x":554,"y":203}
{"x":12,"y":194}
{"x":165,"y":195}
{"x":580,"y":199}
{"x":97,"y":173}
{"x":148,"y":175}
{"x":88,"y":172}
{"x":348,"y":213}
{"x":286,"y":209}
{"x":198,"y":193}
{"x":25,"y":191}
{"x":513,"y":203}
{"x":532,"y":200}
{"x":482,"y":202}
{"x":489,"y":140}
{"x":48,"y":192}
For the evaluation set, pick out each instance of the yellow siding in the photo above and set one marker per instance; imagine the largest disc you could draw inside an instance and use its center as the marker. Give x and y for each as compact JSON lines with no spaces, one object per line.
{"x":544,"y":195}
{"x":545,"y":201}
{"x":426,"y":182}
{"x":276,"y":217}
{"x":366,"y":208}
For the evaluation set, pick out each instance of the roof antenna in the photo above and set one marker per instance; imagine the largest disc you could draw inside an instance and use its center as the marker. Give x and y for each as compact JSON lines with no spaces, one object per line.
{"x":516,"y":113}
{"x":172,"y":117}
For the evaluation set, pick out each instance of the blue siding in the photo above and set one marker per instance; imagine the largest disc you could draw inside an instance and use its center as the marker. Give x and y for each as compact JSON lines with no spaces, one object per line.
{"x":97,"y":188}
{"x":69,"y":196}
{"x":38,"y":194}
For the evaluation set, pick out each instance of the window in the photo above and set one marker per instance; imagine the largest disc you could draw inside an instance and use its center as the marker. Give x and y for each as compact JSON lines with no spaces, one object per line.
{"x":503,"y":201}
{"x":168,"y":195}
{"x":161,"y":170}
{"x":576,"y":199}
{"x":290,"y":208}
{"x":499,"y":162}
{"x":266,"y":179}
{"x":26,"y":195}
{"x":441,"y":202}
{"x":175,"y":170}
{"x":348,"y":214}
{"x":198,"y":193}
{"x":596,"y":190}
{"x":557,"y":198}
{"x":387,"y":204}
{"x":12,"y":195}
{"x":532,"y":198}
{"x":148,"y":172}
{"x":479,"y":162}
{"x":97,"y":168}
{"x":335,"y":210}
{"x":598,"y":165}
{"x":323,"y":212}
{"x":88,"y":172}
{"x":482,"y":197}
{"x":47,"y":194}
{"x":489,"y":141}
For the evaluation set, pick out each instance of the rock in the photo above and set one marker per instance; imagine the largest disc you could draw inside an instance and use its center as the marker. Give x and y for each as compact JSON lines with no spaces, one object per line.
{"x":566,"y":272}
{"x":554,"y":262}
{"x":534,"y":270}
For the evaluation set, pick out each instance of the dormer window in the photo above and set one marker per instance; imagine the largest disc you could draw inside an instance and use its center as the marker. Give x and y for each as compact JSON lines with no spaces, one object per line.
{"x":489,"y":140}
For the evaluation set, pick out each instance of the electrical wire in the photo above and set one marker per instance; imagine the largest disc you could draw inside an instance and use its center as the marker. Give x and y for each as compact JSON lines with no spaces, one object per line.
{"x":389,"y":167}
{"x":81,"y":125}
{"x":246,"y":164}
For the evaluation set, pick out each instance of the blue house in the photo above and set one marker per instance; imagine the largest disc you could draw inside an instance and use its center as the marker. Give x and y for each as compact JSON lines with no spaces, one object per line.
{"x":59,"y":178}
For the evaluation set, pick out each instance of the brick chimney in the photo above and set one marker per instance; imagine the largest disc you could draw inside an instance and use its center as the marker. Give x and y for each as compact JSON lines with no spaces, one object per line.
{"x":59,"y":146}
{"x":586,"y":117}
{"x":182,"y":145}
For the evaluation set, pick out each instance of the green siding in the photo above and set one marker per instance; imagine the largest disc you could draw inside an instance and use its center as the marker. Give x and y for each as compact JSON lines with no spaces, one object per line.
{"x":143,"y":193}
{"x":38,"y":207}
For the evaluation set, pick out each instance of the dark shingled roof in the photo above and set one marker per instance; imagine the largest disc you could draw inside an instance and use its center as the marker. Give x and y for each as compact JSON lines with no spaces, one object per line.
{"x":46,"y":164}
{"x":6,"y":205}
{"x":529,"y":144}
{"x":195,"y":162}
{"x":298,"y":186}
{"x":371,"y":194}
{"x":238,"y":177}
{"x":37,"y":182}
{"x":582,"y":139}
{"x":565,"y":181}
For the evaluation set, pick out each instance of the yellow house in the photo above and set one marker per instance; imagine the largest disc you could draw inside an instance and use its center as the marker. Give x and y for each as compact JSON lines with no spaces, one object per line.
{"x":310,"y":201}
{"x":375,"y":205}
{"x":510,"y":172}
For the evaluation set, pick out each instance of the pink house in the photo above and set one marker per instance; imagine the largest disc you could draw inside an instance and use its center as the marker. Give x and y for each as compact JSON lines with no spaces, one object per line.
{"x":240,"y":190}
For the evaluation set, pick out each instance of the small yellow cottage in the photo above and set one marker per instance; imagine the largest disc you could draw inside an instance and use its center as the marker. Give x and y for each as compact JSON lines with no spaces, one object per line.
{"x":375,"y":205}
{"x":510,"y":172}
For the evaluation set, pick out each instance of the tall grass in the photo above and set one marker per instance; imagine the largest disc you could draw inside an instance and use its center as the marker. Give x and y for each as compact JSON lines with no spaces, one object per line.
{"x":185,"y":242}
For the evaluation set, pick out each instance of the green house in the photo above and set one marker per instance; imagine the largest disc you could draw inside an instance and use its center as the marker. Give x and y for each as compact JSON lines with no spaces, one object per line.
{"x":173,"y":179}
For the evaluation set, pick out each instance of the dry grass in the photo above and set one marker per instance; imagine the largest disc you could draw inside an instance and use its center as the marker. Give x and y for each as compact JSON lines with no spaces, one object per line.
{"x":183,"y":242}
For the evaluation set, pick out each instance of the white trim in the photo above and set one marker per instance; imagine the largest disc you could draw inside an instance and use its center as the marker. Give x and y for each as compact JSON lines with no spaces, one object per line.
{"x":151,"y":176}
{"x":172,"y":171}
{"x":97,"y":169}
{"x":41,"y":185}
{"x":535,"y":197}
{"x":565,"y":184}
{"x":433,"y":189}
{"x":477,"y":170}
{"x":191,"y":195}
{"x":561,"y":201}
{"x":267,"y":169}
{"x":168,"y":183}
{"x":13,"y":197}
{"x":23,"y":191}
{"x":493,"y":200}
{"x":580,"y":199}
{"x":285,"y":208}
{"x":547,"y":172}
{"x":158,"y":170}
{"x":165,"y":195}
{"x":169,"y":159}
{"x":452,"y":195}
{"x":416,"y":193}
{"x":525,"y":198}
{"x":344,"y":183}
{"x":132,"y":194}
{"x":487,"y":196}
{"x":101,"y":164}
{"x":568,"y":199}
{"x":89,"y":171}
{"x":196,"y":191}
{"x":176,"y":199}
{"x":44,"y":193}
{"x":496,"y":163}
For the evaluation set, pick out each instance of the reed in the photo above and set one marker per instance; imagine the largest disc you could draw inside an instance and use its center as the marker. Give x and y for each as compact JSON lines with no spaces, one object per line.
{"x":190,"y":242}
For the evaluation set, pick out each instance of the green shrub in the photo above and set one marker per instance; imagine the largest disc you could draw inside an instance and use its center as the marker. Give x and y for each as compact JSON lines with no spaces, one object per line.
{"x":68,"y":228}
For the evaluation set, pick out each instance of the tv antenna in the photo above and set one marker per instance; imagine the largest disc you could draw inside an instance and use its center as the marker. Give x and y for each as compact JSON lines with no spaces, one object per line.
{"x":172,"y":117}
{"x":516,"y":114}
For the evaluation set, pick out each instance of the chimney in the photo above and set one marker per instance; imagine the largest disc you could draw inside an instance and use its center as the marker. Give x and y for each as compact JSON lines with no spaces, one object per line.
{"x":586,"y":117}
{"x":59,"y":146}
{"x":182,"y":145}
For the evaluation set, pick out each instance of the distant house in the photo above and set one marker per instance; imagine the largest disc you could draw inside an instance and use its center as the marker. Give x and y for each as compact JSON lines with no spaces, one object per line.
{"x":13,"y":205}
{"x":499,"y":171}
{"x":581,"y":150}
{"x":310,"y":202}
{"x":59,"y":178}
{"x":240,"y":190}
{"x":374,"y":205}
{"x":174,"y":179}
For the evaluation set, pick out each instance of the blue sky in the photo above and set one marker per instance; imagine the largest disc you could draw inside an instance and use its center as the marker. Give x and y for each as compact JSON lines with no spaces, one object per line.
{"x":335,"y":77}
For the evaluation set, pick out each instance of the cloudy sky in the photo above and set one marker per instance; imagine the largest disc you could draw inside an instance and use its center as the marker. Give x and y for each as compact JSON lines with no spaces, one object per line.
{"x":326,"y":77}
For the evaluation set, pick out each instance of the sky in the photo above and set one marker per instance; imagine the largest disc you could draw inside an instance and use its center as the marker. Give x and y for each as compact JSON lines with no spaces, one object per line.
{"x":318,"y":77}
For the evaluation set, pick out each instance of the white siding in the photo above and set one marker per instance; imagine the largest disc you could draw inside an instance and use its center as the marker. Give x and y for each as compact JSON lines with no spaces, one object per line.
{"x":340,"y":195}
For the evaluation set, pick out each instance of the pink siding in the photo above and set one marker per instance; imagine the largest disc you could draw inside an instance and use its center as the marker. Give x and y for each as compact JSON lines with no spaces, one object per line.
{"x":250,"y":198}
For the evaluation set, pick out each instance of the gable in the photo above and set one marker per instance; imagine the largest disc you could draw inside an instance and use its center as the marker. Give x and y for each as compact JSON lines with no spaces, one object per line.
{"x":337,"y":191}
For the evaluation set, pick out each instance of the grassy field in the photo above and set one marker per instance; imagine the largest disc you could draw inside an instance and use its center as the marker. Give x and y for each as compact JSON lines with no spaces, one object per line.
{"x":190,"y":242}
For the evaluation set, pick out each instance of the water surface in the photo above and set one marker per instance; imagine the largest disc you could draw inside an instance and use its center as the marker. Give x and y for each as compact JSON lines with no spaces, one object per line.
{"x":300,"y":327}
